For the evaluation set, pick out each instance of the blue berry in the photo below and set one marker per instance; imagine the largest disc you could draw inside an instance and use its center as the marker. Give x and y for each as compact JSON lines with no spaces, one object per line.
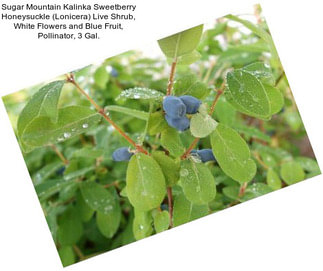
{"x":192,"y":104}
{"x":180,"y":124}
{"x":122,"y":154}
{"x":174,"y":107}
{"x":114,"y":73}
{"x":205,"y":155}
{"x":61,"y":170}
{"x":164,"y":207}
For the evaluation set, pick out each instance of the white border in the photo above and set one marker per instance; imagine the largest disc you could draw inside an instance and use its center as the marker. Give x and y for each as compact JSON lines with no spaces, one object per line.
{"x":279,"y":231}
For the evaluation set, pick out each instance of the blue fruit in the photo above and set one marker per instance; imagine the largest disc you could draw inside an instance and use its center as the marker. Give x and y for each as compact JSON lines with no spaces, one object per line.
{"x":114,"y":73}
{"x":205,"y":155}
{"x":122,"y":154}
{"x":174,"y":107}
{"x":61,"y":170}
{"x":180,"y":124}
{"x":164,"y":207}
{"x":192,"y":104}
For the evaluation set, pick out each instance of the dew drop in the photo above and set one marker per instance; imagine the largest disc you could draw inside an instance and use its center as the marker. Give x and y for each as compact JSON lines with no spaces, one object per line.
{"x":141,"y":227}
{"x":67,"y":135}
{"x":108,"y":69}
{"x":183,"y":172}
{"x":136,"y":96}
{"x":85,"y":125}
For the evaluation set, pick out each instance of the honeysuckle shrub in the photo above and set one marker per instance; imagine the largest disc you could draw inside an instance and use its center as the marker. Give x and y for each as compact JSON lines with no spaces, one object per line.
{"x":112,"y":161}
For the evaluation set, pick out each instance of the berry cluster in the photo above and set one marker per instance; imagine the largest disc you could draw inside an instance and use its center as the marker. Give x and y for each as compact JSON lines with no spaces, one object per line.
{"x":122,"y":154}
{"x":204,"y":154}
{"x":176,"y":109}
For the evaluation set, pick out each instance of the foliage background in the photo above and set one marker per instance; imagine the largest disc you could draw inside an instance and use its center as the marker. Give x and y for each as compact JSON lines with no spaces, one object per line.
{"x":225,"y":45}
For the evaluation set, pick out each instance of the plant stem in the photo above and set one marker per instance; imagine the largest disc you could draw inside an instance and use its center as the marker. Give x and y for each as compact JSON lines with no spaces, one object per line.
{"x":170,"y":205}
{"x":70,"y":78}
{"x":190,"y":148}
{"x":209,"y":71}
{"x":242,"y":189}
{"x":196,"y":140}
{"x":78,"y":252}
{"x":171,"y":78}
{"x":151,"y":107}
{"x":216,"y":99}
{"x":257,"y":156}
{"x":59,"y":154}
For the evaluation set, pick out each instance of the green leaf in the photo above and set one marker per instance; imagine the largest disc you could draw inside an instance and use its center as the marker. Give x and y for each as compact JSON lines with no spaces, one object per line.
{"x":258,"y":31}
{"x":262,"y":71}
{"x":232,"y":192}
{"x":239,"y":55}
{"x":202,"y":125}
{"x":186,"y":211}
{"x":108,"y":222}
{"x":72,"y":121}
{"x":145,"y":182}
{"x":224,"y":112}
{"x":51,"y":187}
{"x":45,"y":172}
{"x":70,"y":174}
{"x":67,"y":255}
{"x":128,"y":111}
{"x":273,"y":179}
{"x":256,"y":190}
{"x":42,"y":103}
{"x":99,"y":198}
{"x":161,"y":221}
{"x":101,"y":77}
{"x":276,"y":99}
{"x":187,"y":59}
{"x":85,"y":211}
{"x":247,"y":94}
{"x":171,"y":141}
{"x":142,"y":224}
{"x":292,"y":172}
{"x":189,"y":84}
{"x":232,"y":154}
{"x":87,"y":152}
{"x":156,"y":123}
{"x":140,"y":93}
{"x":277,"y":153}
{"x":169,"y":166}
{"x":251,"y":131}
{"x":70,"y":228}
{"x":197,"y":182}
{"x":181,"y":43}
{"x":308,"y":164}
{"x":268,"y":159}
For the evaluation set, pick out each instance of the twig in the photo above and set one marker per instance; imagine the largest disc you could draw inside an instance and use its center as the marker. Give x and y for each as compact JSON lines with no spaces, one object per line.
{"x":78,"y":252}
{"x":70,"y":78}
{"x":171,"y":78}
{"x":190,"y":148}
{"x":216,"y":99}
{"x":196,"y":140}
{"x":256,"y":155}
{"x":170,"y":206}
{"x":242,"y":189}
{"x":59,"y":154}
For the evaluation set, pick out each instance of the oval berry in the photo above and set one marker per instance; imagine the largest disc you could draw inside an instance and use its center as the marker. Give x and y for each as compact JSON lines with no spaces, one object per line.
{"x":121,"y":154}
{"x":192,"y":104}
{"x":180,"y":124}
{"x":174,"y":107}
